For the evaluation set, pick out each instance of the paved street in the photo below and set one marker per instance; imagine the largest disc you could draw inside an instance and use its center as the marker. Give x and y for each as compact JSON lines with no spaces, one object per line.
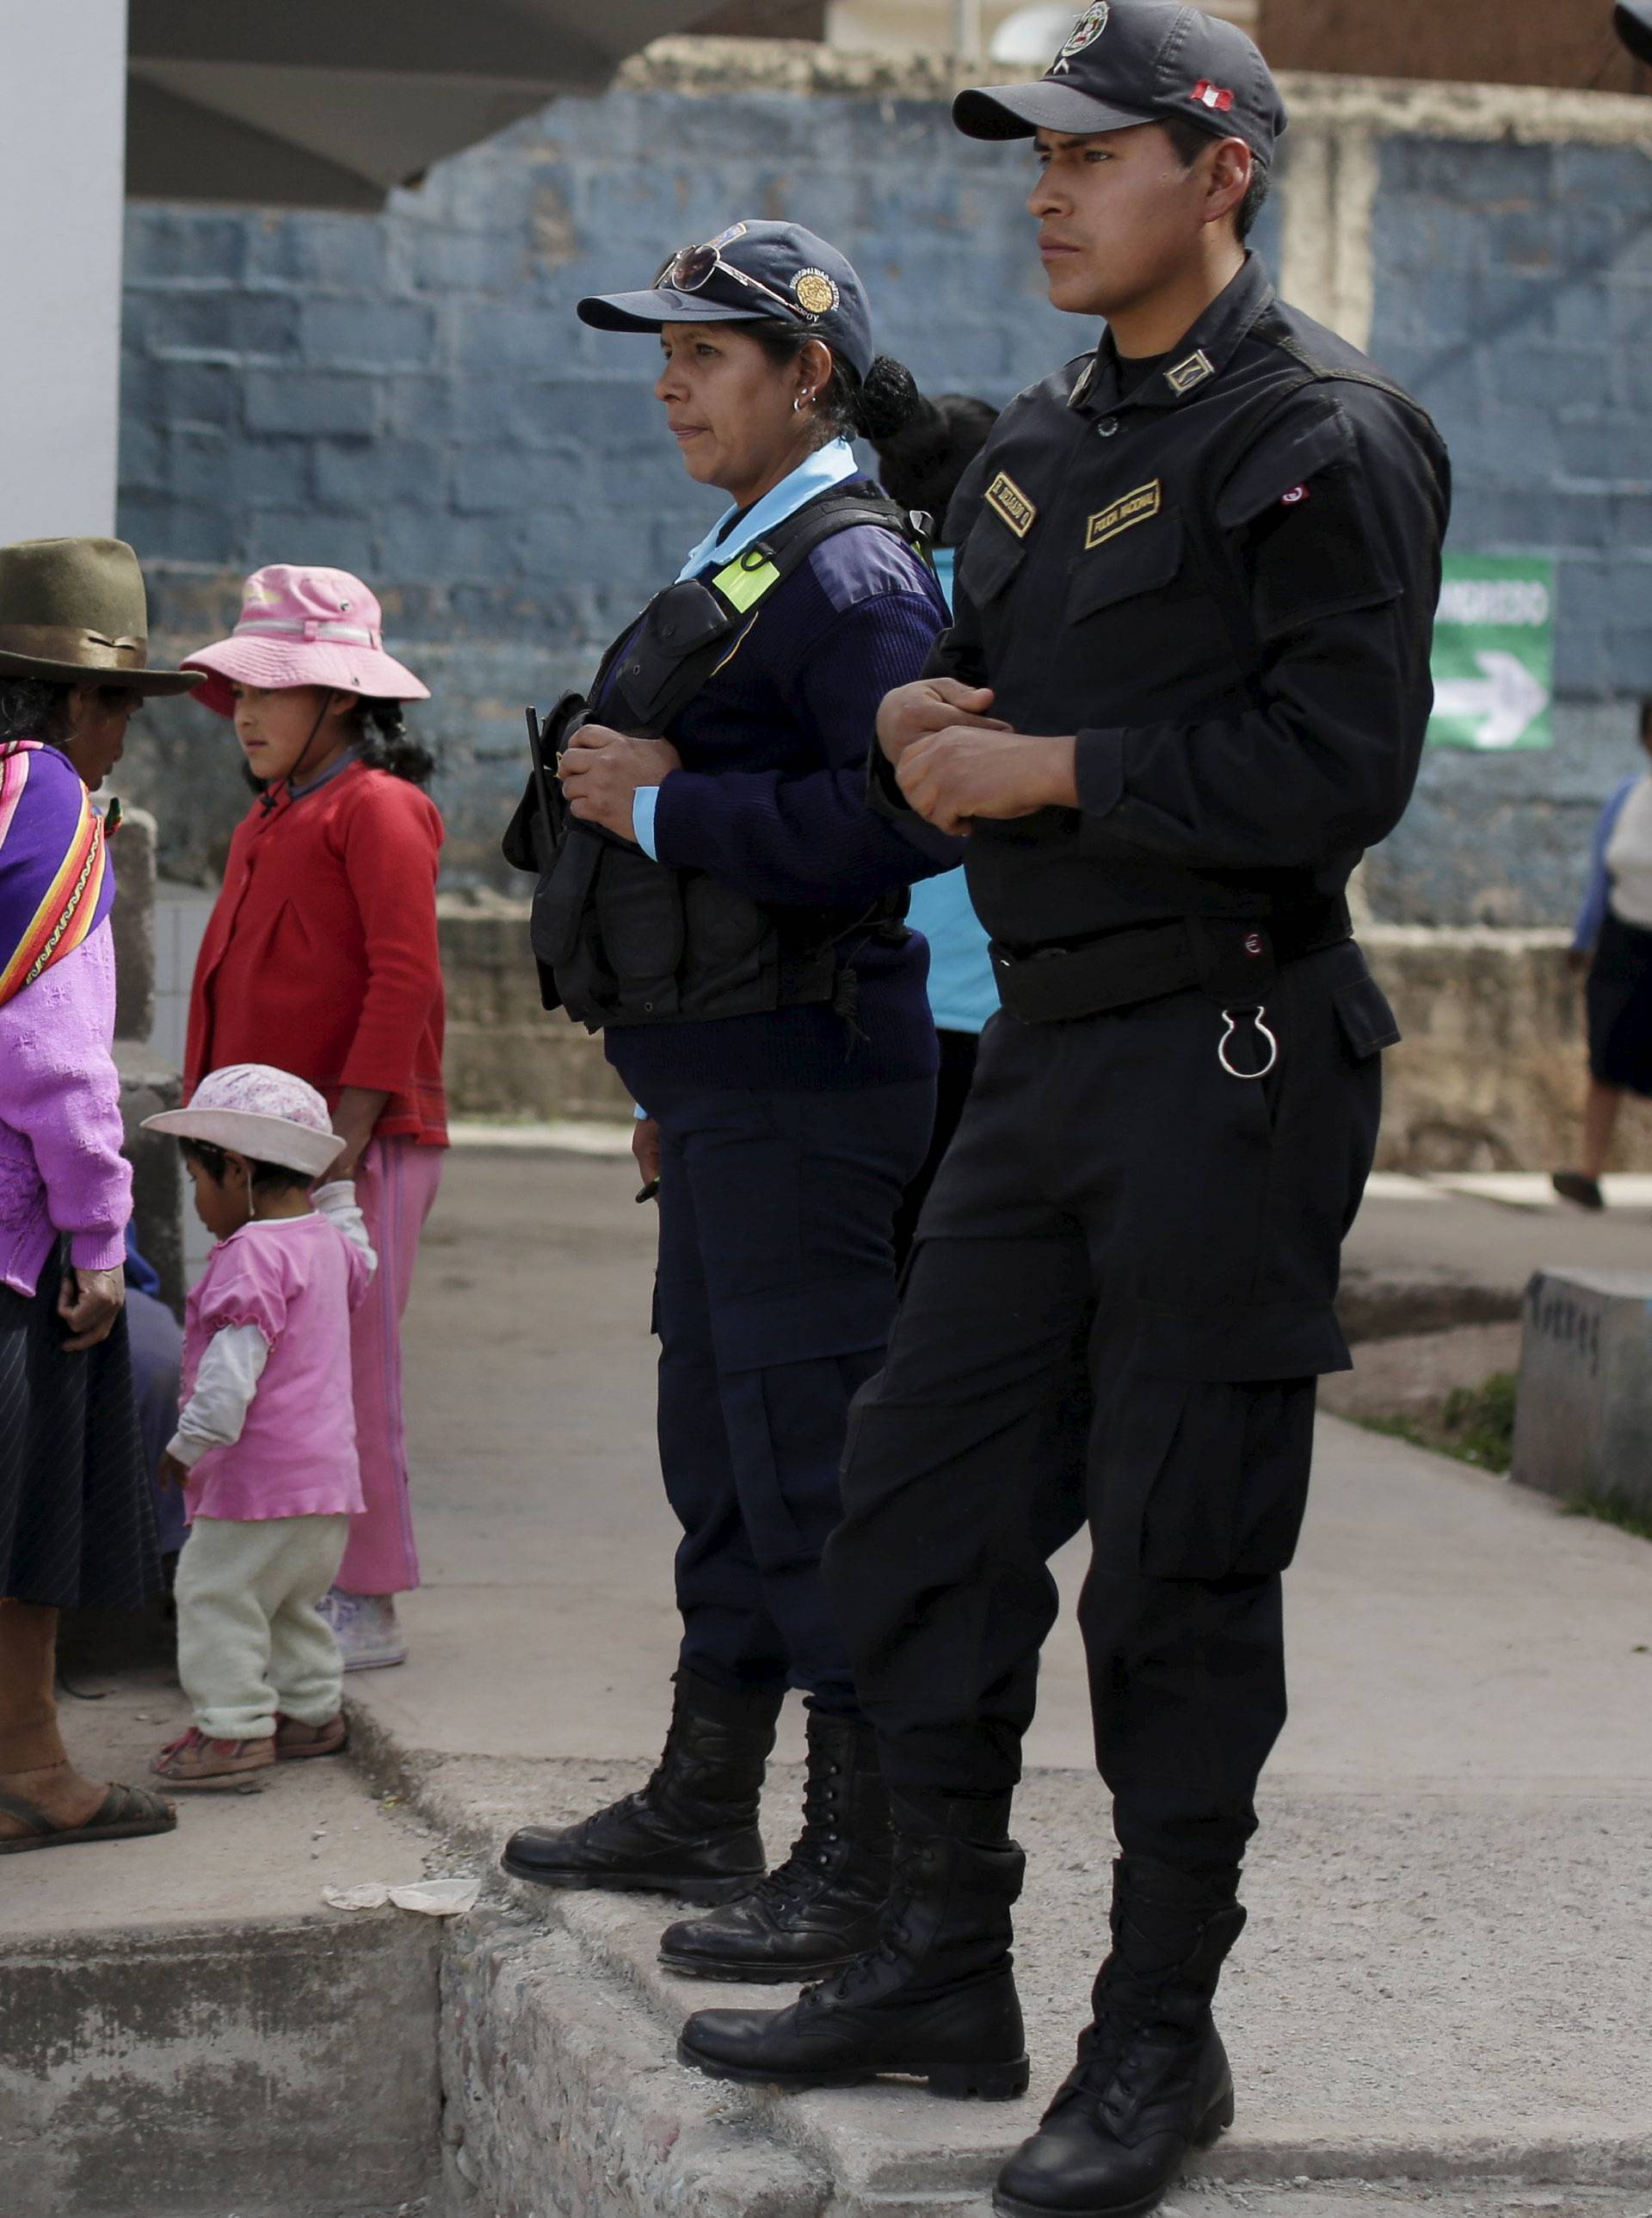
{"x":1426,"y":1256}
{"x":1443,"y":1982}
{"x":1437,"y":1979}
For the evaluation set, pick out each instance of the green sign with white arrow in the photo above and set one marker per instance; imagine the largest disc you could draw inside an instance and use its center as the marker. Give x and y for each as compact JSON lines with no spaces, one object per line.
{"x":1494,"y":654}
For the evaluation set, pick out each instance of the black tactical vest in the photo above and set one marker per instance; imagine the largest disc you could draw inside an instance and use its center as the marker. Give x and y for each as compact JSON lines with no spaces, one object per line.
{"x":621,"y":940}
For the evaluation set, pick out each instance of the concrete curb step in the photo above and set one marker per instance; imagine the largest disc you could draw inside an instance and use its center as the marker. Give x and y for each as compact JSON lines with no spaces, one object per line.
{"x":562,"y":2094}
{"x":177,"y":2070}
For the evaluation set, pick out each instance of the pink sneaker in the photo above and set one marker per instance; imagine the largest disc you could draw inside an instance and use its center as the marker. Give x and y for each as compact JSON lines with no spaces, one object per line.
{"x":365,"y":1628}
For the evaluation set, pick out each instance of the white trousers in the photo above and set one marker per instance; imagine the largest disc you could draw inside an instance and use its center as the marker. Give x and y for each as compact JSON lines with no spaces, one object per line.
{"x":250,"y":1639}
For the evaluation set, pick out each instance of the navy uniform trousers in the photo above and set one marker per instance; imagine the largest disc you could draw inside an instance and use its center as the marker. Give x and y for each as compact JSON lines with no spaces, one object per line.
{"x":773,"y":1305}
{"x":1117,"y":1310}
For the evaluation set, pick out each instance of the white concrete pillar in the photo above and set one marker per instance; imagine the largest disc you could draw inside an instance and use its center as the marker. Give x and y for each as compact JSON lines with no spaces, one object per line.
{"x":63,"y":191}
{"x":1330,"y":184}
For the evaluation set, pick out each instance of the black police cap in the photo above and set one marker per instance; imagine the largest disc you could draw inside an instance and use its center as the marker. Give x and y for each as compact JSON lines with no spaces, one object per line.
{"x":1127,"y":62}
{"x":755,"y":271}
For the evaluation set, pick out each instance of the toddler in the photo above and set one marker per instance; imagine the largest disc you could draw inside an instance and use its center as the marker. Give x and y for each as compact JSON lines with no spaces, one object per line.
{"x":265,"y":1446}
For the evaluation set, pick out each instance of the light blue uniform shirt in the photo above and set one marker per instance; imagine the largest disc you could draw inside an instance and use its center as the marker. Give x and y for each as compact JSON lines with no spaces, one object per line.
{"x":817,"y":473}
{"x":961,"y":992}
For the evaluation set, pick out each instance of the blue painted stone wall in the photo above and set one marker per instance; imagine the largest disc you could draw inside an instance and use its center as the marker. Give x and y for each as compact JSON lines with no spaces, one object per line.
{"x":1514,"y":297}
{"x":411,"y":396}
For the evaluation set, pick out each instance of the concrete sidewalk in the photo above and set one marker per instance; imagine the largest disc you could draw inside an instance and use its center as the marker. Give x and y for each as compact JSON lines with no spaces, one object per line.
{"x":1425,"y":1256}
{"x":1445,"y":1975}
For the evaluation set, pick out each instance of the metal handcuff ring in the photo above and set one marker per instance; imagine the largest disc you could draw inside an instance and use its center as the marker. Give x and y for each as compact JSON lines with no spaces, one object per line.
{"x":1230,"y":1018}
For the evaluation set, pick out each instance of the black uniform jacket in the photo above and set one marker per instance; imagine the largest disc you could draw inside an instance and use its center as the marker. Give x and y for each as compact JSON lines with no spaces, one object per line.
{"x":1225,"y":584}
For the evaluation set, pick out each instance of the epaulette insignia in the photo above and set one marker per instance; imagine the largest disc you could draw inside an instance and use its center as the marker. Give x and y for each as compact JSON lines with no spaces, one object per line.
{"x":1006,"y":500}
{"x":1186,"y":375}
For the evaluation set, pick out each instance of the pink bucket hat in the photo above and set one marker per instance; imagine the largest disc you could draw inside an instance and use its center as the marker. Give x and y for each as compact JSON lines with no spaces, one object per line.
{"x":266,"y":1114}
{"x":304,"y":627}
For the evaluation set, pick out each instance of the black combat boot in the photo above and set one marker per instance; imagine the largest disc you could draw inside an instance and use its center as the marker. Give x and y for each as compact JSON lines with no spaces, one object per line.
{"x":692,"y":1831}
{"x":1152,"y":2079}
{"x":934,"y":2000}
{"x":824,"y":1905}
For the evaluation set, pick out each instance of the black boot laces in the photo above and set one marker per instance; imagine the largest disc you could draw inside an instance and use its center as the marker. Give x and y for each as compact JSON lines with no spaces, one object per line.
{"x":1135,"y":2013}
{"x":1111,"y":2051}
{"x":913,"y":1860}
{"x":813,"y":1852}
{"x":645,"y":1798}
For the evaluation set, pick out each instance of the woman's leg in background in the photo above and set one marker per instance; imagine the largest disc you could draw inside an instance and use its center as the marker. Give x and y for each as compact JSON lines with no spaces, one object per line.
{"x":1600,"y":1107}
{"x":396,"y":1183}
{"x":33,"y":1763}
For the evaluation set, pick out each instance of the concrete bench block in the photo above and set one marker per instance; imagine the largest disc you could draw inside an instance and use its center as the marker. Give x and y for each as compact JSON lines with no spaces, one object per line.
{"x":1583,"y":1426}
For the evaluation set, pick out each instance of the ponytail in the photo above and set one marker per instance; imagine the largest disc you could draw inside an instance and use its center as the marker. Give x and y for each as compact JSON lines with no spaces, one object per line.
{"x":385,"y":744}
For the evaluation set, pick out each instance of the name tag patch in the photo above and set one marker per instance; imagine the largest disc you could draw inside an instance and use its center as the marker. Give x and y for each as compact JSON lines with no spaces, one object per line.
{"x":1136,"y":508}
{"x":1184,"y":375}
{"x":1007,"y":501}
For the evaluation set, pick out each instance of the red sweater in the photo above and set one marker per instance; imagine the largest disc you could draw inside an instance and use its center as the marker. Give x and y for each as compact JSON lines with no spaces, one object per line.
{"x":321,"y":954}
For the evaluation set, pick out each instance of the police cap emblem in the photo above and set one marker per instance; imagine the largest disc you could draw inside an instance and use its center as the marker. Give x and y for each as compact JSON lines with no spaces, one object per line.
{"x":1085,"y":32}
{"x":814,"y":293}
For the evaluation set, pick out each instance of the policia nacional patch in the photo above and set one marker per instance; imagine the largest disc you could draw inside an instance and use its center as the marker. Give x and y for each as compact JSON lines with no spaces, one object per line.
{"x":1135,"y":508}
{"x":1007,"y":501}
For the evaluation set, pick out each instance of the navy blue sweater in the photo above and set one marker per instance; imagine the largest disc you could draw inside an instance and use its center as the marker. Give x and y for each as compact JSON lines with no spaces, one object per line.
{"x":772,"y":798}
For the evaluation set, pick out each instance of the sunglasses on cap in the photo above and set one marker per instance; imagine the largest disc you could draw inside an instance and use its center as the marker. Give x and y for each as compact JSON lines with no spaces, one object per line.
{"x":693,"y":270}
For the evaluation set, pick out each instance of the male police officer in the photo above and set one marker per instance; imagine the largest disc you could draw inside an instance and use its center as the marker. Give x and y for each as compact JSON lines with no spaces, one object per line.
{"x":1187,"y":684}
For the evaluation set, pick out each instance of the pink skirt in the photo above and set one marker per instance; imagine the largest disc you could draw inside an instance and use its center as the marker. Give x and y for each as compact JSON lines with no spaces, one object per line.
{"x":396,"y":1182}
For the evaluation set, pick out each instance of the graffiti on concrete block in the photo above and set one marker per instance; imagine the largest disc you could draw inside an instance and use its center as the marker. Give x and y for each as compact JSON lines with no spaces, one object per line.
{"x":1565,"y":1322}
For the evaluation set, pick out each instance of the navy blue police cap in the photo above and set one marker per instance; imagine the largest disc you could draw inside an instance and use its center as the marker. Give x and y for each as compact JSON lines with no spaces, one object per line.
{"x":755,"y":271}
{"x":1139,"y":61}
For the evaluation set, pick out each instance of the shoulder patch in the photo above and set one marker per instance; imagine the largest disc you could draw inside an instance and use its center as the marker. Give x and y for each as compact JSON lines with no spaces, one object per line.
{"x":1011,"y":505}
{"x":1291,"y":453}
{"x":866,"y":563}
{"x":1135,"y":508}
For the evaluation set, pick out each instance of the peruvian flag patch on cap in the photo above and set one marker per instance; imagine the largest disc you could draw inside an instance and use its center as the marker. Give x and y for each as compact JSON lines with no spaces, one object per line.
{"x":1216,"y":96}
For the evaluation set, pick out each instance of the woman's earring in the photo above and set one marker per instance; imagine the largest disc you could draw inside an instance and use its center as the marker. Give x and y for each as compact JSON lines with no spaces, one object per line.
{"x":797,"y":405}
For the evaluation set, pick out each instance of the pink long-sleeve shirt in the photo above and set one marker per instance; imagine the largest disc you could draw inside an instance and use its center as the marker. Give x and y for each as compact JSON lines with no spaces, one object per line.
{"x":61,"y":1168}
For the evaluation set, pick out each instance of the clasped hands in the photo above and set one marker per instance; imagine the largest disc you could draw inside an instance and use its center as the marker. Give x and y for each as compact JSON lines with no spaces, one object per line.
{"x":953,"y":761}
{"x":601,"y":770}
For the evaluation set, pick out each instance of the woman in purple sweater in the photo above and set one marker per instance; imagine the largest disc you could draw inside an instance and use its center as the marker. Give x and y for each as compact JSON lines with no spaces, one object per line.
{"x":75,"y":1520}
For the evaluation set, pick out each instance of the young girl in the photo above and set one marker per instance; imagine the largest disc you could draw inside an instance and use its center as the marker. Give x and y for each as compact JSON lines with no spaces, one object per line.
{"x":321,"y":956}
{"x":265,"y":1446}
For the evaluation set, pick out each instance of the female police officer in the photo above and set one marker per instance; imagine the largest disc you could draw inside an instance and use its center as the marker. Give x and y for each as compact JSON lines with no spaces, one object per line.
{"x":764,"y":1004}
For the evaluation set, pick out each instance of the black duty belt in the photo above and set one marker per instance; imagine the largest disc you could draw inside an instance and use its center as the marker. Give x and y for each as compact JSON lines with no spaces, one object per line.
{"x":1234,"y":961}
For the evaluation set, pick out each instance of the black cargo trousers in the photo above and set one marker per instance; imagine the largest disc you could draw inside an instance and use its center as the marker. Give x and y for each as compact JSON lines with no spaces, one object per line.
{"x":1117,"y":1311}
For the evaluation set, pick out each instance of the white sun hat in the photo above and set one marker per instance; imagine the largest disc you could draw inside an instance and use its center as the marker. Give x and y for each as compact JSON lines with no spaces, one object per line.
{"x":265,"y":1114}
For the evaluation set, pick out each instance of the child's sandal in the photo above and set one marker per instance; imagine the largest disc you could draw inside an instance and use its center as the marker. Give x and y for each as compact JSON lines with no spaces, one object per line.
{"x":293,"y":1739}
{"x":195,"y":1759}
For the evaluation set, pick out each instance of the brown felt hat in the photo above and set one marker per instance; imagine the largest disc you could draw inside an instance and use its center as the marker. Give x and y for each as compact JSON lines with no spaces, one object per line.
{"x":72,"y":611}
